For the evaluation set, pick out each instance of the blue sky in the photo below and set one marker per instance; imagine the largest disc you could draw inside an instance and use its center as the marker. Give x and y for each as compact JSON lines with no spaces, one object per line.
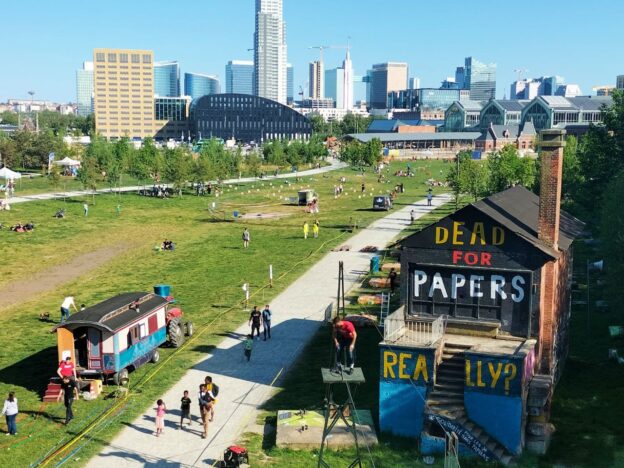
{"x":44,"y":42}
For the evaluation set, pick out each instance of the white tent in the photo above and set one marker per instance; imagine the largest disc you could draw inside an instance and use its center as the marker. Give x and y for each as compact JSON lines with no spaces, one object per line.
{"x":67,"y":161}
{"x":6,"y":173}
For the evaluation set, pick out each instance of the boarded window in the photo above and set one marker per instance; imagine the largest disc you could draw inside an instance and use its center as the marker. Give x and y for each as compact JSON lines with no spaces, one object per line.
{"x":152,"y":324}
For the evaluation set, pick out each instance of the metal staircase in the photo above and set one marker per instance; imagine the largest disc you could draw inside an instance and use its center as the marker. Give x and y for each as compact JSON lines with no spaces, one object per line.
{"x":445,"y":406}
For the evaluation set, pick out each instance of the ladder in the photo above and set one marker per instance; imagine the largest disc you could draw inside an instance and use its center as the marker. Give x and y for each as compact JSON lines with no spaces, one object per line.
{"x":385,"y":307}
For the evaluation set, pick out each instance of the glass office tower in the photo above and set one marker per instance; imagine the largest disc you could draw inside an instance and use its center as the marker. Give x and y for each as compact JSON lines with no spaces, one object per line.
{"x":166,"y":79}
{"x":239,"y":76}
{"x":84,"y":89}
{"x":198,"y":85}
{"x":480,"y":79}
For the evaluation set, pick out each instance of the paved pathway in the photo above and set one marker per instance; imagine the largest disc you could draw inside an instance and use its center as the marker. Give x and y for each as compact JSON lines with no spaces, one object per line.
{"x":244,"y":387}
{"x":334,"y":164}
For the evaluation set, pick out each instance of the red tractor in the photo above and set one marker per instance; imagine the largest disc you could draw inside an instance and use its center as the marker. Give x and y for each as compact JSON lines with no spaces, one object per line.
{"x":177,"y":329}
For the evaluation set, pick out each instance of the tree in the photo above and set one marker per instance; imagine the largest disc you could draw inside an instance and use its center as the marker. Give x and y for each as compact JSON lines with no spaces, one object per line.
{"x":178,"y":167}
{"x":55,"y":176}
{"x":9,"y":118}
{"x":467,"y":176}
{"x":506,"y":169}
{"x":254,"y":163}
{"x":88,"y":175}
{"x":352,"y":152}
{"x":372,"y":152}
{"x":612,"y":234}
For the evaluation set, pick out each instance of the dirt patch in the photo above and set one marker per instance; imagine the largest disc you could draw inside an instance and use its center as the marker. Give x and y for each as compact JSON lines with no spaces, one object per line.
{"x":274,"y":215}
{"x":26,"y":289}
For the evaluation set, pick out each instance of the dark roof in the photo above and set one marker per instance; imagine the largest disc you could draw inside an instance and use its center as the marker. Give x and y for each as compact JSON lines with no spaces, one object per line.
{"x":114,"y":313}
{"x":386,"y":137}
{"x":512,"y":105}
{"x":518,"y":210}
{"x":379,"y":125}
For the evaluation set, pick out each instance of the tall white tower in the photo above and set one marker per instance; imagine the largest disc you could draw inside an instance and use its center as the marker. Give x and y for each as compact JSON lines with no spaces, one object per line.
{"x":348,"y":82}
{"x":270,"y":54}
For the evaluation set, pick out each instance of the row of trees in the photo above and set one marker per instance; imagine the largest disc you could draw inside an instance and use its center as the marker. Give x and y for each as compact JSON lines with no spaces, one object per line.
{"x":351,"y":123}
{"x":109,"y":161}
{"x":503,"y":169}
{"x":59,"y":124}
{"x":362,"y":154}
{"x":296,"y":152}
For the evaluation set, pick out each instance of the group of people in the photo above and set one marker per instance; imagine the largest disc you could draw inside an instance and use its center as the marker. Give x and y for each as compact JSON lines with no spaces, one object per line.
{"x":206,"y":399}
{"x":315,"y":229}
{"x":312,"y":206}
{"x":167,"y":245}
{"x":19,"y":227}
{"x":338,"y":189}
{"x":202,"y":188}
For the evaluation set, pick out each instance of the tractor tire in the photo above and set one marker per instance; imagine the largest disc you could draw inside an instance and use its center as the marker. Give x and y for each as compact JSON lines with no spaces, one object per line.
{"x":175,"y":332}
{"x":121,"y":377}
{"x":190,"y":329}
{"x":155,"y":357}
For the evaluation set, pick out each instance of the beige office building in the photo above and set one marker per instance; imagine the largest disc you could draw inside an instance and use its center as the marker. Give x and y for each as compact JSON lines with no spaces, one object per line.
{"x":123,"y":93}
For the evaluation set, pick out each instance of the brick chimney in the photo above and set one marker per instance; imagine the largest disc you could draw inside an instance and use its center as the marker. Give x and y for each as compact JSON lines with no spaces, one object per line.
{"x":551,"y":144}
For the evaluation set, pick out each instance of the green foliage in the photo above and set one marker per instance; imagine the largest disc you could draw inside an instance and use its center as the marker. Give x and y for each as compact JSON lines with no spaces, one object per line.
{"x":254,"y":163}
{"x":55,"y":176}
{"x":612,"y":234}
{"x":9,"y":118}
{"x":467,"y":176}
{"x":351,"y":123}
{"x":372,"y":152}
{"x":88,"y":174}
{"x":179,"y":167}
{"x":362,"y":154}
{"x":506,"y":168}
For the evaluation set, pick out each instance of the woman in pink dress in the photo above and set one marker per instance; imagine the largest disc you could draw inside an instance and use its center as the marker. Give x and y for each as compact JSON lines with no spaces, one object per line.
{"x":160,"y":416}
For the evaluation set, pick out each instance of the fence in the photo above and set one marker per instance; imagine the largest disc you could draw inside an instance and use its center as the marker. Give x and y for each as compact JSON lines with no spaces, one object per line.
{"x":412,"y":331}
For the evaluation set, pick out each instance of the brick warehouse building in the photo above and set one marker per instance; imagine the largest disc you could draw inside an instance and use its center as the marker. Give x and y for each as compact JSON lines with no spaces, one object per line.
{"x":481,"y":337}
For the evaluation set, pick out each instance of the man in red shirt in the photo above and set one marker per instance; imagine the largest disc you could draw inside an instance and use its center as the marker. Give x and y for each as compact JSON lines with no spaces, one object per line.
{"x":67,"y":369}
{"x":344,"y":336}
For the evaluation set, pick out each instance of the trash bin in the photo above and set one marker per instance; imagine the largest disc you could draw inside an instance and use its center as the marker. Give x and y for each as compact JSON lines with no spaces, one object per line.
{"x":163,"y":290}
{"x":374,"y":264}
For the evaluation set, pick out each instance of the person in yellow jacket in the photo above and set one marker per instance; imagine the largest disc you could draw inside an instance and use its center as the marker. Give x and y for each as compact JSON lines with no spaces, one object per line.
{"x":306,"y":229}
{"x":315,"y":229}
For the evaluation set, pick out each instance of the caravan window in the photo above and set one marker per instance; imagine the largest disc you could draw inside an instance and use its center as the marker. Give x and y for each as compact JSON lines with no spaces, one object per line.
{"x":133,"y":336}
{"x":142,"y":330}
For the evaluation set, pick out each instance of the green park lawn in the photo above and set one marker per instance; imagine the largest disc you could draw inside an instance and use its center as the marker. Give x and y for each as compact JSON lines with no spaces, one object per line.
{"x":206,"y":270}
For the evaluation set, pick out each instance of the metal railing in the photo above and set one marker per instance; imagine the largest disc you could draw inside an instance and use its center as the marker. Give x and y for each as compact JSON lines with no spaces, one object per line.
{"x":398,"y":329}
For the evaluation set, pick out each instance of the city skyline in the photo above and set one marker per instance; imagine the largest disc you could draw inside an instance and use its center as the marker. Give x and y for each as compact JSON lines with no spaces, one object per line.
{"x":52,"y":75}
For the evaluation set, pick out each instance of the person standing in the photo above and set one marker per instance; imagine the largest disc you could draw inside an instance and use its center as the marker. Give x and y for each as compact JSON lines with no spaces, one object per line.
{"x":67,"y":303}
{"x":306,"y":229}
{"x":363,"y":187}
{"x":392,"y":276}
{"x":85,"y":207}
{"x":246,"y":238}
{"x":67,"y":369}
{"x":255,"y":320}
{"x":69,"y":391}
{"x":185,"y":408}
{"x":429,"y":197}
{"x":344,"y":336}
{"x":412,"y":216}
{"x":248,"y":346}
{"x":212,"y":390}
{"x":315,"y":229}
{"x":203,"y":409}
{"x":10,"y":411}
{"x":161,"y":409}
{"x":266,"y":320}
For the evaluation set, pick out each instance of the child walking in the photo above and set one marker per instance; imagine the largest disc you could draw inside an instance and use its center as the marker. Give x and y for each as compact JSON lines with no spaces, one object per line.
{"x":248,"y":346}
{"x":160,"y":416}
{"x":185,"y":408}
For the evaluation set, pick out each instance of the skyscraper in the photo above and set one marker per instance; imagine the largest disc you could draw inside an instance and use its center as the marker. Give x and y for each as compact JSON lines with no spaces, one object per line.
{"x":198,"y":85}
{"x":84,"y":89}
{"x":167,"y":79}
{"x":123,"y":89}
{"x":480,"y":79}
{"x":270,"y":54}
{"x":239,"y":76}
{"x":619,"y":82}
{"x":290,"y":84}
{"x":347,"y":97}
{"x":334,"y":85}
{"x":317,"y":80}
{"x":383,"y":79}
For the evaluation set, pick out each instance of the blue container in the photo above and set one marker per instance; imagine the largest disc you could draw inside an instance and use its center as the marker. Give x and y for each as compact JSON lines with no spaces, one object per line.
{"x":374,"y":264}
{"x":163,"y":290}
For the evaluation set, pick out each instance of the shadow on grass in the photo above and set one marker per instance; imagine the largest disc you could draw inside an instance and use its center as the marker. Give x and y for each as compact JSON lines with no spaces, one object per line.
{"x":32,"y":372}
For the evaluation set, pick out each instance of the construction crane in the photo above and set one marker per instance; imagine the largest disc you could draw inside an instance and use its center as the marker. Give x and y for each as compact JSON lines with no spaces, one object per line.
{"x":301,"y":91}
{"x":321,"y":48}
{"x":520,"y":71}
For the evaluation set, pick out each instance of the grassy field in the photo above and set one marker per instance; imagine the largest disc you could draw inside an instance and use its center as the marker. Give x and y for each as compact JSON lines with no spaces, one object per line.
{"x":206,"y":271}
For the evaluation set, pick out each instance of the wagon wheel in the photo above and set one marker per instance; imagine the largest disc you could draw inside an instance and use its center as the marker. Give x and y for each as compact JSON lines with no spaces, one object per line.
{"x":175,"y":332}
{"x":155,"y":357}
{"x":190,"y":328}
{"x":121,"y":377}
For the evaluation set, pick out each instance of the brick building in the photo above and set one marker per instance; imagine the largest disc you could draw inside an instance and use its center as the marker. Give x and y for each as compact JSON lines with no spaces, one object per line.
{"x":496,"y":136}
{"x":481,"y":337}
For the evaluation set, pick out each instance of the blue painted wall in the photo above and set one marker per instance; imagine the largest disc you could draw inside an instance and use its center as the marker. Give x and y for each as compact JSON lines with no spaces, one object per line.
{"x":401,"y":408}
{"x":500,"y":416}
{"x":406,"y":375}
{"x":146,"y":345}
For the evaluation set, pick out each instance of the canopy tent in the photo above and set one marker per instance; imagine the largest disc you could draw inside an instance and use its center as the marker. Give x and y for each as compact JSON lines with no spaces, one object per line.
{"x":67,"y":161}
{"x":6,"y":173}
